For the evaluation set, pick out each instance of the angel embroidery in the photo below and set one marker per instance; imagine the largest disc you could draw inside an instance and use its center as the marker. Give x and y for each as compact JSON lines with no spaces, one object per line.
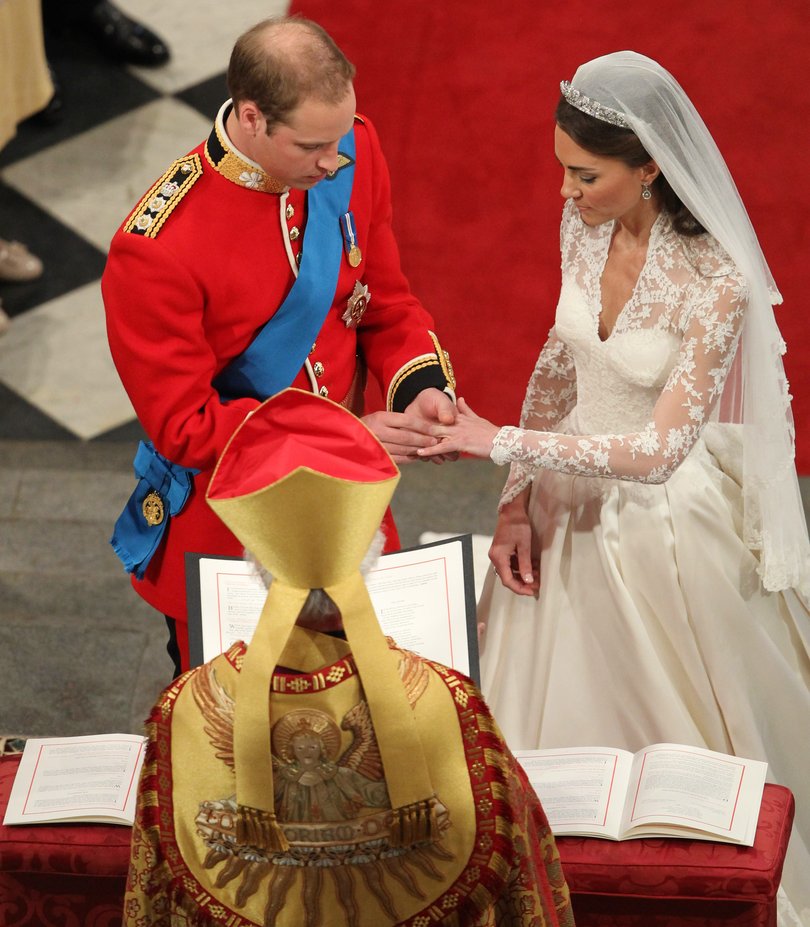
{"x":334,"y":806}
{"x":314,"y":783}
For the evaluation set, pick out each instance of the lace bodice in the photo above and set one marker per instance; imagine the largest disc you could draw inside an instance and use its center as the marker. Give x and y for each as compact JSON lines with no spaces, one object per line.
{"x":632,"y":406}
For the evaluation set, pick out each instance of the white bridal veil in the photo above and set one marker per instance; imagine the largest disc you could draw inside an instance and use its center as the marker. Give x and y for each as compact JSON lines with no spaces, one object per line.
{"x":630,"y":90}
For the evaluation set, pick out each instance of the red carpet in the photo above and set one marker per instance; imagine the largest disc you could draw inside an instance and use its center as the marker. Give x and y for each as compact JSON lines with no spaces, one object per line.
{"x":462,"y":94}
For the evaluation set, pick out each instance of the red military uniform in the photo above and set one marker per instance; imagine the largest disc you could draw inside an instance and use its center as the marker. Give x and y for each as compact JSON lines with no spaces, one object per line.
{"x":205,"y":259}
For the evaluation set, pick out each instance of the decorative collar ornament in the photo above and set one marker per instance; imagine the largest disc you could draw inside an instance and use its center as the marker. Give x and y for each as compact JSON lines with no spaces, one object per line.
{"x":591,"y":107}
{"x":232,"y":164}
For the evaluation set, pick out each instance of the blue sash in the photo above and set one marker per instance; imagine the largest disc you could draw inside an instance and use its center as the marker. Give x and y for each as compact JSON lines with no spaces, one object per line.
{"x":272,"y":360}
{"x":269,"y":364}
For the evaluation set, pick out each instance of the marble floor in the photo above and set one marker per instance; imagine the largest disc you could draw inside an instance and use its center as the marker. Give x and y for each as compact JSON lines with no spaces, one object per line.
{"x":65,"y":189}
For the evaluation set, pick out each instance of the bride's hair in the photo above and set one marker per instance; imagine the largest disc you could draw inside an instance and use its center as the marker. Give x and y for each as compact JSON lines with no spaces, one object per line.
{"x":610,"y":141}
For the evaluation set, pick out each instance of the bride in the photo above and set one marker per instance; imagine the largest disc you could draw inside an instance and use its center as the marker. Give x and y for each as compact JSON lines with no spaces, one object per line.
{"x":651,"y":546}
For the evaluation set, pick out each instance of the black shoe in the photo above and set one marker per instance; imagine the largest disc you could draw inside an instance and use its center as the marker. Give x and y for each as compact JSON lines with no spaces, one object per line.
{"x":124,"y":39}
{"x":52,"y":113}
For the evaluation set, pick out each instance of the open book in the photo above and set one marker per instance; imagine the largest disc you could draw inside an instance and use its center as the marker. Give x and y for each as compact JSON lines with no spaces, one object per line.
{"x":665,"y":790}
{"x":92,"y":778}
{"x":424,"y":598}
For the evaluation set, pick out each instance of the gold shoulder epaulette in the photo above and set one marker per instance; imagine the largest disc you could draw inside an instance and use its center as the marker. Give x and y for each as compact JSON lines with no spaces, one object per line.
{"x":156,"y":207}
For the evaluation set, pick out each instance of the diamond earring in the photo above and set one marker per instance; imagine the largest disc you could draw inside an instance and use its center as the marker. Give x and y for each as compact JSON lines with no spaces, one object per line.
{"x":646,"y":193}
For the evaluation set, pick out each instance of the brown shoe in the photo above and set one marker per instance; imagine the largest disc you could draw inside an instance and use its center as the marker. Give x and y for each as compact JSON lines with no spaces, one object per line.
{"x":17,"y":264}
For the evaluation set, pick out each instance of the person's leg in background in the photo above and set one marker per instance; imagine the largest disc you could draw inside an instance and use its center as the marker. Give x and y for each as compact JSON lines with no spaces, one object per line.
{"x":122,"y":38}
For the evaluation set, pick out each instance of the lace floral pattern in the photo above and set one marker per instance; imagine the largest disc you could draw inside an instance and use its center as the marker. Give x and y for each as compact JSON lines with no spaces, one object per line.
{"x":631,"y":406}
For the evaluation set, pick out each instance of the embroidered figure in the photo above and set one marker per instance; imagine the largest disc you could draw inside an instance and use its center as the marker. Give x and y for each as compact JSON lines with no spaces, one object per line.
{"x":312,"y":782}
{"x":315,"y":786}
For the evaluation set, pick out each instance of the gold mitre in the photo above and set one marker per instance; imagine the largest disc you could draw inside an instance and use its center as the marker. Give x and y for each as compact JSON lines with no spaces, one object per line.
{"x":304,"y":486}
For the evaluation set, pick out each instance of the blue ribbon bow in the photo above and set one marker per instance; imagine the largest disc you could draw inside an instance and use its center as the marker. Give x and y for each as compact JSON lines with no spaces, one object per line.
{"x":134,"y":538}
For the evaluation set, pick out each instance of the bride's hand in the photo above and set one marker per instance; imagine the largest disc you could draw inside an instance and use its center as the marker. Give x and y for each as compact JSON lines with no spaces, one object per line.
{"x":510,"y":552}
{"x":470,"y":434}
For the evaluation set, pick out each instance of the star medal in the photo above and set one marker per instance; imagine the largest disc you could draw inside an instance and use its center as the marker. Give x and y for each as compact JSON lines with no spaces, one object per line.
{"x":356,"y":305}
{"x":352,"y":249}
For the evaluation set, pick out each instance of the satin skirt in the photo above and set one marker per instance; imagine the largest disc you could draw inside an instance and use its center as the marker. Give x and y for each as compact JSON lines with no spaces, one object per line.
{"x":651,"y":626}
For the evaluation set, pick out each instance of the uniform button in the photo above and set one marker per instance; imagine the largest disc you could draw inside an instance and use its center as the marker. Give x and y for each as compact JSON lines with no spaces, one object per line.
{"x":290,"y":211}
{"x":323,"y":391}
{"x":318,"y":368}
{"x":294,"y":233}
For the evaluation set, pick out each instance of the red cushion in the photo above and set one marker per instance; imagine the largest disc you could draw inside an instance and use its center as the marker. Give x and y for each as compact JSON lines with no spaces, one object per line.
{"x":57,"y":875}
{"x":669,"y":868}
{"x":71,"y":849}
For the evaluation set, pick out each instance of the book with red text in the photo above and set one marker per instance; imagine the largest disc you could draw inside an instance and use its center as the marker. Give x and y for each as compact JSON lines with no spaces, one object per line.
{"x":664,"y":790}
{"x":92,"y":778}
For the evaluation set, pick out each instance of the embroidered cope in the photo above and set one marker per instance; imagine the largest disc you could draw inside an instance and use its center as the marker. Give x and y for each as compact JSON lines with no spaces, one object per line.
{"x":493,"y":863}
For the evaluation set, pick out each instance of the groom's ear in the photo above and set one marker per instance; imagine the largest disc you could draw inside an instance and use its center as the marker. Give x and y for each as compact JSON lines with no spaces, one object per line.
{"x":249,"y":117}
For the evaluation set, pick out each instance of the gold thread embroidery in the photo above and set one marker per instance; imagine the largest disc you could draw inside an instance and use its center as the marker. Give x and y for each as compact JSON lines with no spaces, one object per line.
{"x":407,"y":371}
{"x":444,"y":361}
{"x":242,"y":172}
{"x":149,"y":217}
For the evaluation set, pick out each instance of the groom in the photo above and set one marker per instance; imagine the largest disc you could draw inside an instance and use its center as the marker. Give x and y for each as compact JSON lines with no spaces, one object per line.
{"x":264,"y":258}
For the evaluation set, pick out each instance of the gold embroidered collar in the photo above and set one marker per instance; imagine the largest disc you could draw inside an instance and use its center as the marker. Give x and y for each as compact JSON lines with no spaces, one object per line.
{"x":232,"y":164}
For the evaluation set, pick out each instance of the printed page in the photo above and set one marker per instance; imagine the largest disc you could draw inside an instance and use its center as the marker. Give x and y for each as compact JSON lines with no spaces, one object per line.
{"x":422,"y":597}
{"x":696,"y":789}
{"x":91,"y":778}
{"x":419,"y":597}
{"x":231,"y":599}
{"x":581,"y":789}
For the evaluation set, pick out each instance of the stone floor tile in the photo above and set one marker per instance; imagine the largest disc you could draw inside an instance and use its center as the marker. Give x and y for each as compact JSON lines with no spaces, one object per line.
{"x":58,"y":684}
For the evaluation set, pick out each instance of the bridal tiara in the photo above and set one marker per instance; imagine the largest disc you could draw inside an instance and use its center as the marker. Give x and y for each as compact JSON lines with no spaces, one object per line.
{"x":591,"y":107}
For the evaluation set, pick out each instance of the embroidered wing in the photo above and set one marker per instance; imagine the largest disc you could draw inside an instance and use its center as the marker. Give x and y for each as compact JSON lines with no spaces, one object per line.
{"x":364,"y":754}
{"x":414,"y":674}
{"x":217,"y":708}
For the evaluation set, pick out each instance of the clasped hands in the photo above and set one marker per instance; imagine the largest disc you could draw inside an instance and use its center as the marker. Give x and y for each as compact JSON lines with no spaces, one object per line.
{"x":433,"y":428}
{"x":468,"y":433}
{"x":405,"y":434}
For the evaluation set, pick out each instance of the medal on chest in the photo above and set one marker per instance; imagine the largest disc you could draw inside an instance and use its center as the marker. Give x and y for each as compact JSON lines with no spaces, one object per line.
{"x":353,"y":254}
{"x":356,"y":305}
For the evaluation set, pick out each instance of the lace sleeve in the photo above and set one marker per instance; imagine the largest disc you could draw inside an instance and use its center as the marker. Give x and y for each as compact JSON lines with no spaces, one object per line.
{"x":709,"y":341}
{"x":550,"y":396}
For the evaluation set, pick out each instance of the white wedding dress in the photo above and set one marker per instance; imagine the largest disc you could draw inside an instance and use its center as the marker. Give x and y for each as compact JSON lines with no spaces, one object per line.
{"x":651,"y":624}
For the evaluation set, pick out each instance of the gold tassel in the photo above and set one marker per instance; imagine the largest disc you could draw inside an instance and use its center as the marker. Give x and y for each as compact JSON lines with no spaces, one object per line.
{"x":414,"y":824}
{"x":258,"y":828}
